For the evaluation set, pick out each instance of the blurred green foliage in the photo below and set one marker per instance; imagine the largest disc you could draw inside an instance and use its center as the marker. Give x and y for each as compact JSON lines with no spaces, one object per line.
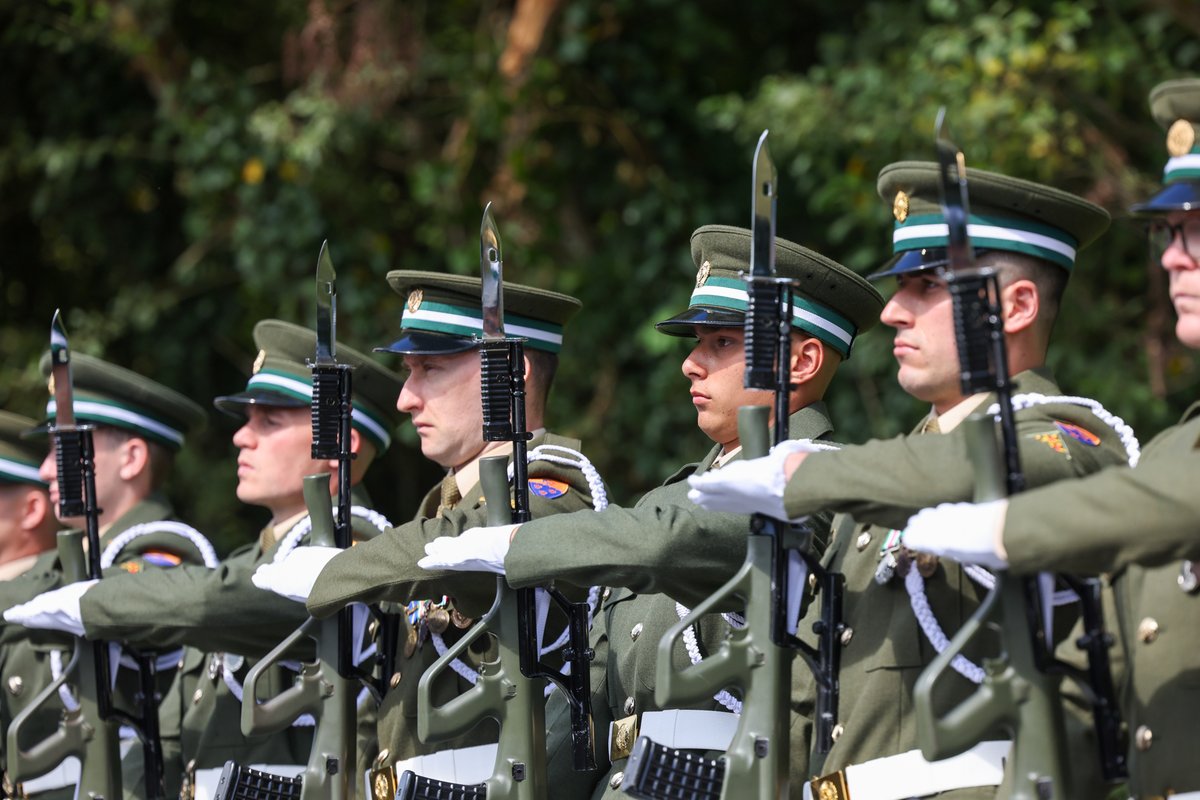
{"x":169,"y":170}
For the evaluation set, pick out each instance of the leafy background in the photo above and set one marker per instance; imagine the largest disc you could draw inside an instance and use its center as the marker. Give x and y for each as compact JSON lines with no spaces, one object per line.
{"x":169,"y":170}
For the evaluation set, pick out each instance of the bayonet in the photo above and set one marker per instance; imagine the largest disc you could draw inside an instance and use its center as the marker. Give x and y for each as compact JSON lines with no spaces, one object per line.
{"x":326,"y":308}
{"x":491,"y":266}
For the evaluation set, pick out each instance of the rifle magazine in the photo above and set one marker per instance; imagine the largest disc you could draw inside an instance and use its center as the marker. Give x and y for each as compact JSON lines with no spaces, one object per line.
{"x":657,"y":772}
{"x":412,"y":786}
{"x":243,"y":783}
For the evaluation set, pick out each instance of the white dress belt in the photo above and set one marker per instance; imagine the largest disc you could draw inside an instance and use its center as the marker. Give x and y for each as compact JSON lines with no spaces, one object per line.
{"x":467,"y":765}
{"x":909,"y":775}
{"x":689,"y":729}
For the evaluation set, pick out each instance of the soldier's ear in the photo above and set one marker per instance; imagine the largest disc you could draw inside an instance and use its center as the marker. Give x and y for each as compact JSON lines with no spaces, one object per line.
{"x":808,"y":356}
{"x":1021,"y":304}
{"x":35,"y":509}
{"x":133,"y":456}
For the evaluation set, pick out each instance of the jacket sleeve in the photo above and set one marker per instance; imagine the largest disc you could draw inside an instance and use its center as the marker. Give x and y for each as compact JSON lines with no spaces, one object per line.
{"x":212,"y":609}
{"x":1149,"y":515}
{"x":884,"y":482}
{"x":385,"y":568}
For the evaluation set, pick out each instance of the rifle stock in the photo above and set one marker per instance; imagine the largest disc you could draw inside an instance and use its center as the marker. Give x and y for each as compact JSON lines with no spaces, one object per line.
{"x":321,"y":690}
{"x":81,"y":733}
{"x":502,"y":693}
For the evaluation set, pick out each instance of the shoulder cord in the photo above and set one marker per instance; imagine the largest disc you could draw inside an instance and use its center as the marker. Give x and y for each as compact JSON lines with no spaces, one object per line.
{"x":164,"y":660}
{"x":231,"y":663}
{"x":915,"y":584}
{"x":566,"y":457}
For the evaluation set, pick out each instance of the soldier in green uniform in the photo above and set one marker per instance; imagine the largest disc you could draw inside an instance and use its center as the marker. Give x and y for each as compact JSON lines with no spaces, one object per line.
{"x":139,"y":427}
{"x":1030,"y":233}
{"x":1140,"y":525}
{"x":27,"y":529}
{"x":439,"y":329}
{"x":637,"y":551}
{"x":218,"y":615}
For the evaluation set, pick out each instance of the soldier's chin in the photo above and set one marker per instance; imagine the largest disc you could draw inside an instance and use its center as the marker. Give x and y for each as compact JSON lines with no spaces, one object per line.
{"x":1187,"y":330}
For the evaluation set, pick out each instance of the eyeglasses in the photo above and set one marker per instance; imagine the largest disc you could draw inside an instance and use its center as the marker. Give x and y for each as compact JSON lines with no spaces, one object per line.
{"x":1163,"y":233}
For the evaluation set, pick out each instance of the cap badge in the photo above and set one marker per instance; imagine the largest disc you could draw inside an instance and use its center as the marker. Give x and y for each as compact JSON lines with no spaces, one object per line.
{"x":259,"y":360}
{"x":900,"y":207}
{"x":702,"y":274}
{"x":1181,"y":137}
{"x":414,"y":300}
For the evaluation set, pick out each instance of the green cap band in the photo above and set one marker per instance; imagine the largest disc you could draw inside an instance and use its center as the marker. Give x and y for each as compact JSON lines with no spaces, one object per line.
{"x":300,"y":387}
{"x":106,"y":411}
{"x":14,"y":471}
{"x":441,"y":317}
{"x":811,"y":317}
{"x":1183,"y":168}
{"x":924,"y":231}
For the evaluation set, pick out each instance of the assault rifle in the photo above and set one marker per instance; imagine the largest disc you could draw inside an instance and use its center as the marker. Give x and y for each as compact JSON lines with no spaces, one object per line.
{"x":515,"y":701}
{"x":758,"y":658}
{"x":1019,"y":692}
{"x":327,"y":688}
{"x":89,"y":731}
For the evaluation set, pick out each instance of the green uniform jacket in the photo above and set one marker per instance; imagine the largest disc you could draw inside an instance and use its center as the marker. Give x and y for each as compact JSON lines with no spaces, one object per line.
{"x":662,"y":527}
{"x":1137,"y":523}
{"x":691,"y":555}
{"x":385,"y":569}
{"x":882,"y":483}
{"x":26,"y":655}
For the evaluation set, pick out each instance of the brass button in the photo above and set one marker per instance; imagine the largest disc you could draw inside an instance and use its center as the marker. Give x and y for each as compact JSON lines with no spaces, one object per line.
{"x":1143,"y":737}
{"x":847,"y":635}
{"x":384,"y":756}
{"x":629,"y":706}
{"x":197,"y":696}
{"x":636,"y":632}
{"x":615,"y":781}
{"x":812,"y":581}
{"x":864,"y":539}
{"x":1147,"y":630}
{"x":394,"y":681}
{"x":837,"y":732}
{"x":15,"y":685}
{"x":607,"y":593}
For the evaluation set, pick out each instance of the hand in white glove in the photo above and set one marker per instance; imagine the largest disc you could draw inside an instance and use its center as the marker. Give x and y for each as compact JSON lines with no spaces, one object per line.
{"x":293,"y":576}
{"x":754,"y":486}
{"x":966,"y":532}
{"x":474,"y":550}
{"x":52,"y":611}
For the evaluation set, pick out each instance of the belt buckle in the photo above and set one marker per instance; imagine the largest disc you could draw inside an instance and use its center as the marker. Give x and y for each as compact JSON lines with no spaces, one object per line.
{"x":830,"y":787}
{"x":622,"y":735}
{"x":383,"y":783}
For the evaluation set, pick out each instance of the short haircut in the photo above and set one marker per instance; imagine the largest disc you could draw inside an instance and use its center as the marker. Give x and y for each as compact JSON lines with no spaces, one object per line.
{"x":543,"y":368}
{"x":161,"y":459}
{"x":1050,"y":280}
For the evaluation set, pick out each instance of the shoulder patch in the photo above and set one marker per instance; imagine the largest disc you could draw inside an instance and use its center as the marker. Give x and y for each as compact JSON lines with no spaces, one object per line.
{"x":161,"y":558}
{"x":132,"y":567}
{"x":1077,"y":433}
{"x":548,"y":488}
{"x":1053,"y":440}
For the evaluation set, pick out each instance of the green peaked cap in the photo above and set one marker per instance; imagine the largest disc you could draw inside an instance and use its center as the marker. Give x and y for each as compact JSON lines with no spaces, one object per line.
{"x":831,"y":302}
{"x":106,"y":394}
{"x":282,"y":376}
{"x":1175,"y":106}
{"x":442,"y":313}
{"x":1008,"y":214}
{"x":19,"y":458}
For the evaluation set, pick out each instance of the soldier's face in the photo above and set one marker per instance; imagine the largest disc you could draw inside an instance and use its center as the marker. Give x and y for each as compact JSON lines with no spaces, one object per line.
{"x":274,"y":454}
{"x":921,"y":311}
{"x":441,"y":393}
{"x":716,"y":367}
{"x":109,"y":457}
{"x":1184,"y":277}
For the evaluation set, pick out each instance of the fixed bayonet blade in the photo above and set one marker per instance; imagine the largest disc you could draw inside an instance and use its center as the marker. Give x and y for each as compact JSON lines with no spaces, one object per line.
{"x":491,"y":266}
{"x":762,"y":229}
{"x":953,"y":190}
{"x":60,"y":369}
{"x":326,"y":307}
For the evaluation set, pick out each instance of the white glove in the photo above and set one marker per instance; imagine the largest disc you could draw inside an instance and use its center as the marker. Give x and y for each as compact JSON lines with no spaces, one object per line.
{"x":754,"y":486}
{"x":474,"y":550}
{"x":293,"y":576}
{"x":53,"y":611}
{"x":966,"y":532}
